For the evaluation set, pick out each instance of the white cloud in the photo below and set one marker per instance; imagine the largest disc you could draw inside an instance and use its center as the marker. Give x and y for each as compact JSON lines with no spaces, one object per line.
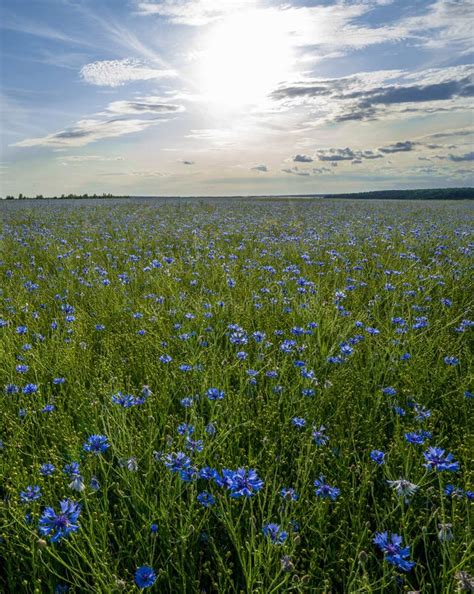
{"x":193,"y":12}
{"x":86,"y":131}
{"x":113,"y":73}
{"x":139,"y":105}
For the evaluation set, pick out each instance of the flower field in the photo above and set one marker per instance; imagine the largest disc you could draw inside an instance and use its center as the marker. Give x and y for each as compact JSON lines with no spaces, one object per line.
{"x":236,"y":396}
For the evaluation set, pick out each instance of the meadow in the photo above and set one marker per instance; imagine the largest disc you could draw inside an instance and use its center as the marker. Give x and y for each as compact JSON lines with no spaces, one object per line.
{"x":236,"y":396}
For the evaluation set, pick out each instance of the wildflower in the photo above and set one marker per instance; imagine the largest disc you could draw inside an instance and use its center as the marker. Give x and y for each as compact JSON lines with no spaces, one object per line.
{"x":451,"y":360}
{"x":47,"y":469}
{"x":71,"y":469}
{"x":394,"y":553}
{"x":403,"y":488}
{"x":286,"y":563}
{"x":445,"y":533}
{"x":77,"y":483}
{"x":96,"y":444}
{"x":165,"y":359}
{"x":177,"y":462}
{"x":215,"y":394}
{"x":206,"y":499}
{"x":145,"y":576}
{"x":437,"y":460}
{"x":154,"y":528}
{"x":94,"y":484}
{"x":242,"y":483}
{"x":319,"y":436}
{"x":298,"y":422}
{"x":389,"y":391}
{"x":325,"y":491}
{"x":58,"y":526}
{"x":274,"y":534}
{"x":289,"y":494}
{"x":30,"y":389}
{"x":30,"y":494}
{"x":377,"y":456}
{"x":187,"y":402}
{"x":418,"y":438}
{"x":210,"y":429}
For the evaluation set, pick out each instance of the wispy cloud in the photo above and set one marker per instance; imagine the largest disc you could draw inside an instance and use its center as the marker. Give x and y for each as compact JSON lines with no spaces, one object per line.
{"x":262,"y":168}
{"x":144,"y":105}
{"x":114,"y":73}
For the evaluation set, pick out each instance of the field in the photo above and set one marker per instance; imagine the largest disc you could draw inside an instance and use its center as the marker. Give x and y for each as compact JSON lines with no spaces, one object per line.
{"x":236,"y":396}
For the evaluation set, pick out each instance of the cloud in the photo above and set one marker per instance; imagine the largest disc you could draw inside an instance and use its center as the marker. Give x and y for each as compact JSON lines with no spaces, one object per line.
{"x":372,"y":95}
{"x":185,"y":162}
{"x":302,"y":159}
{"x":143,"y":105}
{"x":87,"y":131}
{"x":193,"y":12}
{"x":398,"y":147}
{"x":263,"y":168}
{"x":114,"y":73}
{"x":336,"y":154}
{"x":460,"y":158}
{"x":86,"y":158}
{"x":296,"y":171}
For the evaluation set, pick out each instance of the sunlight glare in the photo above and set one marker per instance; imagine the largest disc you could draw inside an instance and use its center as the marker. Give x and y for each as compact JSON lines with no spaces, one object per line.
{"x":244,"y":58}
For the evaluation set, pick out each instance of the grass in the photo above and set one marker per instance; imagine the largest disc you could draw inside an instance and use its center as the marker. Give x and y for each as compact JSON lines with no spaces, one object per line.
{"x":190,"y":271}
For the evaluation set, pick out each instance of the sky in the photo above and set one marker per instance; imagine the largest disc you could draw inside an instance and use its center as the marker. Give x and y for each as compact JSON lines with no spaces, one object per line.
{"x":235,"y":97}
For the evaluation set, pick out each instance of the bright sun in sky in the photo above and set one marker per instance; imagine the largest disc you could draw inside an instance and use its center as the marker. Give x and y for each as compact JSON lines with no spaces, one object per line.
{"x":243,"y":59}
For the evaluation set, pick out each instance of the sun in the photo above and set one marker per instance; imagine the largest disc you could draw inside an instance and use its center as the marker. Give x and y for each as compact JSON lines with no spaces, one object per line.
{"x":243,"y":59}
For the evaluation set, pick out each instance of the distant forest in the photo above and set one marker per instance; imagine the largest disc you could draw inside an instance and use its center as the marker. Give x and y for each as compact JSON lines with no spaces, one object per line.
{"x":426,"y":194}
{"x":430,"y":194}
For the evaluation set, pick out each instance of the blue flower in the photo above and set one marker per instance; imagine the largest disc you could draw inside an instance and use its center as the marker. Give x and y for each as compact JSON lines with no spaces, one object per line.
{"x":145,"y":576}
{"x":30,"y":389}
{"x":389,"y":391}
{"x":451,"y":360}
{"x":377,"y":456}
{"x":319,"y":436}
{"x":298,"y":422}
{"x":47,"y":469}
{"x":325,"y":491}
{"x":289,"y":494}
{"x":177,"y":462}
{"x":58,"y":526}
{"x":418,"y":438}
{"x":215,"y":394}
{"x":30,"y":494}
{"x":394,"y":553}
{"x":96,"y":444}
{"x":274,"y":534}
{"x":206,"y":499}
{"x":242,"y":483}
{"x":437,"y":460}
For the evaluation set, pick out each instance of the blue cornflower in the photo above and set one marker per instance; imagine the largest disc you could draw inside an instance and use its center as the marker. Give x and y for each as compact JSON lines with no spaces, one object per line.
{"x":30,"y":389}
{"x":72,"y":469}
{"x":298,"y":422}
{"x":319,"y":436}
{"x":289,"y":494}
{"x":242,"y":483}
{"x":206,"y":499}
{"x":177,"y":462}
{"x":210,"y":429}
{"x":389,"y":391}
{"x":185,"y":429}
{"x":452,"y":491}
{"x":11,"y":389}
{"x":47,"y":408}
{"x":165,"y":359}
{"x":94,"y":484}
{"x":125,"y":400}
{"x":154,"y":528}
{"x":145,"y":576}
{"x":325,"y":491}
{"x":47,"y":469}
{"x":437,"y":460}
{"x":96,"y":444}
{"x":194,"y":445}
{"x":215,"y":394}
{"x":377,"y":456}
{"x":59,"y":380}
{"x":241,"y":355}
{"x":451,"y":360}
{"x":394,"y":553}
{"x":58,"y":526}
{"x":22,"y":368}
{"x":187,"y":402}
{"x":30,"y":494}
{"x":418,"y":438}
{"x":274,"y":534}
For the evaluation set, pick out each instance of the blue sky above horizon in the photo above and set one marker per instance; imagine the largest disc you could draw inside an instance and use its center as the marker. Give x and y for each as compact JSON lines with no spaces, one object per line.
{"x":219,"y":97}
